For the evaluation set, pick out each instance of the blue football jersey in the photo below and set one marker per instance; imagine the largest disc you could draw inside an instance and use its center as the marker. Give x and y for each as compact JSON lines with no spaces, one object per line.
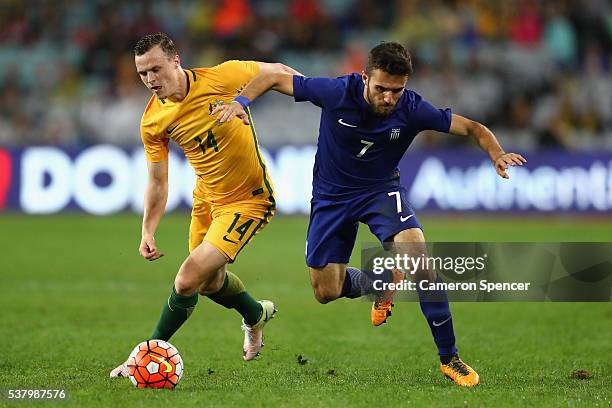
{"x":358,"y":150}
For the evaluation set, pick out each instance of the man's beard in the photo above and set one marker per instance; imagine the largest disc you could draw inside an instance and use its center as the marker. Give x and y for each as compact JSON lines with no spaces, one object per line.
{"x":375,"y":109}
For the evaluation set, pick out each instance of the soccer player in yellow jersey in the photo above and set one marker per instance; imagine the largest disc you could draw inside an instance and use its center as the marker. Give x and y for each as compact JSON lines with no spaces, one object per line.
{"x":233,"y":198}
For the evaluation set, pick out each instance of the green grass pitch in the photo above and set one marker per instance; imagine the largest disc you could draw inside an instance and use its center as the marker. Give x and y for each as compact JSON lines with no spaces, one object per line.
{"x":76,"y":298}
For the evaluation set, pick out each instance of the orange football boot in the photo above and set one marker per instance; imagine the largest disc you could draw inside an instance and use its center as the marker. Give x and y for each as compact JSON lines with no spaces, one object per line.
{"x":380,"y":312}
{"x":381,"y":308}
{"x":461,"y":373}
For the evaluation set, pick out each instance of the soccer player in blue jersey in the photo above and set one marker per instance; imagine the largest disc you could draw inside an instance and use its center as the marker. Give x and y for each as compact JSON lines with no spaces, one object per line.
{"x":368,"y":120}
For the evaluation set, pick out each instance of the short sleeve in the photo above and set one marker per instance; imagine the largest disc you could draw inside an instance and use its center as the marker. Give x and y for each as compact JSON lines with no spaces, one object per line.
{"x":233,"y":75}
{"x":156,"y":148}
{"x":323,"y":92}
{"x":428,"y":117}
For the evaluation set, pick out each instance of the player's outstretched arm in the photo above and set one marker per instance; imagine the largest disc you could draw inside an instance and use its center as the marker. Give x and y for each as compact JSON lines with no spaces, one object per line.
{"x":278,"y":77}
{"x":155,"y":197}
{"x":488,"y":142}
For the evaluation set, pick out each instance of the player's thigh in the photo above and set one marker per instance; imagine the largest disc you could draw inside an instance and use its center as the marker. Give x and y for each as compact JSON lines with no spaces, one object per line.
{"x":233,"y":227}
{"x":201,"y":220}
{"x":327,"y":281}
{"x":410,"y":235}
{"x":411,"y":242}
{"x":331,"y":234}
{"x":390,"y":217}
{"x":203,"y":270}
{"x":388,"y":213}
{"x":330,"y":275}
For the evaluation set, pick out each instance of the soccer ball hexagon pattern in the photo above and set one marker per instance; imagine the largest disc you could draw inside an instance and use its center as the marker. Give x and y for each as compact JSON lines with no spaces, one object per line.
{"x":155,"y":364}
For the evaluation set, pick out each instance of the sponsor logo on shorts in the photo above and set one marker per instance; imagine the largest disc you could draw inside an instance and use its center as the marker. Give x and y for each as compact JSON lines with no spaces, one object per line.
{"x":402,"y":219}
{"x":171,"y":128}
{"x":225,"y":238}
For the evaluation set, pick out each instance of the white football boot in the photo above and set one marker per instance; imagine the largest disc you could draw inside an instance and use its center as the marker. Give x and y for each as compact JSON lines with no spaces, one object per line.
{"x":120,"y":371}
{"x":253,"y":335}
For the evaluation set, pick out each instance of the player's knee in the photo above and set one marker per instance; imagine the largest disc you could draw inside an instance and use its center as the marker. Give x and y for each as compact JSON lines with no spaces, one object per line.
{"x":184,"y":287}
{"x":188,"y":281}
{"x":325,"y":294}
{"x":425,"y":274}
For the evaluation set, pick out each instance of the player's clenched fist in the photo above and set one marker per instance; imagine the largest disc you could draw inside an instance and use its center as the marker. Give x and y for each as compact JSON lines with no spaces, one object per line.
{"x":508,"y":159}
{"x":148,"y":249}
{"x":229,"y":112}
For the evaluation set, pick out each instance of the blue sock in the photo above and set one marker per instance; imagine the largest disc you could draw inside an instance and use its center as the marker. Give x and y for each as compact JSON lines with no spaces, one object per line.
{"x":358,"y":283}
{"x":435,"y":308}
{"x":354,"y":283}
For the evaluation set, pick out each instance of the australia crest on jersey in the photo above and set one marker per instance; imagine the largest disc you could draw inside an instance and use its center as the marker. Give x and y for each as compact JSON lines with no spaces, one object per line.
{"x":214,"y":104}
{"x":395,"y":134}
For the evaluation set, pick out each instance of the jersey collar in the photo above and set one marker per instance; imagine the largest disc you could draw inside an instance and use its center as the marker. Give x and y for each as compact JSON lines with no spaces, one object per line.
{"x":191,"y":77}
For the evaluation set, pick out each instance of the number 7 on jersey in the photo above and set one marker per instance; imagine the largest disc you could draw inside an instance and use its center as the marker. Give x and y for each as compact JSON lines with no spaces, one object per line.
{"x":365,"y":148}
{"x":398,"y":200}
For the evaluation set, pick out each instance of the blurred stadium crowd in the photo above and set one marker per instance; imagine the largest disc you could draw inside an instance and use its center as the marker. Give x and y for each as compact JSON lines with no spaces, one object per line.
{"x":536,"y":72}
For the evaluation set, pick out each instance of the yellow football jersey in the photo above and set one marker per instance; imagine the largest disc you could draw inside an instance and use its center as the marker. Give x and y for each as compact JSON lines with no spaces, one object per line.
{"x":225,"y":157}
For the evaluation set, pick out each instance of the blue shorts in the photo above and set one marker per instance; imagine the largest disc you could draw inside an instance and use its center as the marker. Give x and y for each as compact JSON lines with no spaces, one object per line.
{"x":334,"y":222}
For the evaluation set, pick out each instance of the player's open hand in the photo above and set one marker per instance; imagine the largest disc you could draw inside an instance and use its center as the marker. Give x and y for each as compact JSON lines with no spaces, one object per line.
{"x":229,"y":112}
{"x":148,"y":249}
{"x":508,"y":159}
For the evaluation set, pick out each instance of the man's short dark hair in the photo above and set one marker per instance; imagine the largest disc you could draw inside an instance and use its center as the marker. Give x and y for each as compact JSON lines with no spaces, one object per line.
{"x":151,"y":40}
{"x":391,"y":58}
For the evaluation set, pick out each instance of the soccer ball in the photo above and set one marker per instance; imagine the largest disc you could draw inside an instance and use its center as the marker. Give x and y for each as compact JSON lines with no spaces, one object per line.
{"x":155,"y":364}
